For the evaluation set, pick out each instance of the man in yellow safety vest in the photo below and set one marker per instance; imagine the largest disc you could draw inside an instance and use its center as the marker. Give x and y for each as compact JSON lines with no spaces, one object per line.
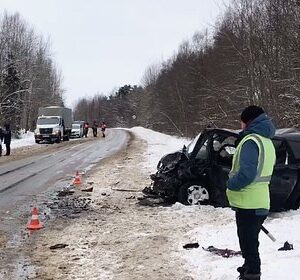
{"x":248,"y":185}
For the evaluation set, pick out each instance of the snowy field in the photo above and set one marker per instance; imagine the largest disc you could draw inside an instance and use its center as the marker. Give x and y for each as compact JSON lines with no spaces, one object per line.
{"x":214,"y":226}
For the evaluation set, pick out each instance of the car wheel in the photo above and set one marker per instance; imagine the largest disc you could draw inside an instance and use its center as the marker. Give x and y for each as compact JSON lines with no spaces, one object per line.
{"x":193,"y":193}
{"x":293,"y":201}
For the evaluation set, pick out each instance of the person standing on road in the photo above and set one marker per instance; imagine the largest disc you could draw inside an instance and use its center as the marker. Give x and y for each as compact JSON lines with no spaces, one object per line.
{"x":248,"y":185}
{"x":95,"y":127}
{"x":103,"y":127}
{"x":7,"y":138}
{"x":1,"y":139}
{"x":86,"y":129}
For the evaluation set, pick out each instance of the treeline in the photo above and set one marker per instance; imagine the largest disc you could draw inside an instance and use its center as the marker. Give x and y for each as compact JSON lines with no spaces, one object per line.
{"x":251,"y":57}
{"x":28,"y":76}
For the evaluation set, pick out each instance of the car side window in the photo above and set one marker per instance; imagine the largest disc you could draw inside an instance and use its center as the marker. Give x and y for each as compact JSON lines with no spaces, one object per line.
{"x":224,"y":148}
{"x":281,"y":152}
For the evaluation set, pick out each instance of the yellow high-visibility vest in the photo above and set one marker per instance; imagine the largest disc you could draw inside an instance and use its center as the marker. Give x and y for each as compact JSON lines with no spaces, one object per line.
{"x":256,"y":195}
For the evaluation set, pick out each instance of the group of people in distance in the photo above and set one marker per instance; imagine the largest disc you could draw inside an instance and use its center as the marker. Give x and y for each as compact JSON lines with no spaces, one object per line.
{"x":5,"y":137}
{"x":95,"y":127}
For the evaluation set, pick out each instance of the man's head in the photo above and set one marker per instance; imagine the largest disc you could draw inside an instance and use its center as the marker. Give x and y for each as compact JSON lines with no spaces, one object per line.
{"x":249,"y":114}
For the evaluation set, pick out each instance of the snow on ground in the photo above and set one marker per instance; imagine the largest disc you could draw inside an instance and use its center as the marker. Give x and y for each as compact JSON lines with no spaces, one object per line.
{"x":26,"y":139}
{"x":204,"y":265}
{"x":159,"y":144}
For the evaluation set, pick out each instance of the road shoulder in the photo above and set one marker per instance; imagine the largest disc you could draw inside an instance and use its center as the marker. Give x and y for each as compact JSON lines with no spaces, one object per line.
{"x":115,"y":238}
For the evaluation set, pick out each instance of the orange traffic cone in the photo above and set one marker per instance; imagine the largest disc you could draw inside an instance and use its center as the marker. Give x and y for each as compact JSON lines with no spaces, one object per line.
{"x":77,"y":180}
{"x":34,"y":223}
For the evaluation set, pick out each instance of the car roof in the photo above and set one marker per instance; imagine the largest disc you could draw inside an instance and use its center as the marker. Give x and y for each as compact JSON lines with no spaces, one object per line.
{"x":222,"y":130}
{"x":288,"y":136}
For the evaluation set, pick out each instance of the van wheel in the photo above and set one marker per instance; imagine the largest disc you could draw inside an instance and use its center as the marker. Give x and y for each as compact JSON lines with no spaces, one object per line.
{"x":193,"y":193}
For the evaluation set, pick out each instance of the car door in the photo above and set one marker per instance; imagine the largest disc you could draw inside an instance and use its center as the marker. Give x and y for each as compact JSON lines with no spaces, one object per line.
{"x":222,"y":150}
{"x":284,"y":177}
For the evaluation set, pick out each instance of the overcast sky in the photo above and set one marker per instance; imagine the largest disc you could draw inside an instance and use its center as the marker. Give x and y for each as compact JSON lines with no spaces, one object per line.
{"x":102,"y":45}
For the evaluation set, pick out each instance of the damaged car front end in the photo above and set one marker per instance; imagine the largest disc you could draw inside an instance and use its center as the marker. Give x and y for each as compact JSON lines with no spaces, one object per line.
{"x":198,"y":173}
{"x":177,"y":176}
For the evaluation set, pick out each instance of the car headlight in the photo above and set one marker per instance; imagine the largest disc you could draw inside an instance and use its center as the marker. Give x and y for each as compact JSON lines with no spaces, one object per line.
{"x":56,"y":130}
{"x":37,"y":131}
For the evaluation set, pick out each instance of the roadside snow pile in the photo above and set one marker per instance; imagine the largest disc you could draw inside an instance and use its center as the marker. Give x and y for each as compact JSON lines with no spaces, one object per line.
{"x":26,"y":139}
{"x":159,"y":144}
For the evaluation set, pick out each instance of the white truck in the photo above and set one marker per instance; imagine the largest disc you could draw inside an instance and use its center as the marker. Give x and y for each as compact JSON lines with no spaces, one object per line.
{"x":54,"y":124}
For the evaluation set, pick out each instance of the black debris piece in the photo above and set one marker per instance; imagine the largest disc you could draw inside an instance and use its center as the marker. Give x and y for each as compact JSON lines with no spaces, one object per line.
{"x":225,"y":253}
{"x":88,"y":189}
{"x":191,"y":245}
{"x":286,"y":247}
{"x":65,"y":192}
{"x":130,"y":197}
{"x":58,"y":246}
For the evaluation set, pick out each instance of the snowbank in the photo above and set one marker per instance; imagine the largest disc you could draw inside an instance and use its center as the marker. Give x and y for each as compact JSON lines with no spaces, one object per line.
{"x":159,"y":144}
{"x":27,"y":139}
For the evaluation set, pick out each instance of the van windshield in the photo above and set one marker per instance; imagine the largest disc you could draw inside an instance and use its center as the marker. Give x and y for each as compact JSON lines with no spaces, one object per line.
{"x":48,"y":120}
{"x":75,"y":126}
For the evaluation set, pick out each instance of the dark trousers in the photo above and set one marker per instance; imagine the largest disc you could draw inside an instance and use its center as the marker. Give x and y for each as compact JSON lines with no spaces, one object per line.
{"x":248,"y":228}
{"x":94,"y":132}
{"x":7,"y":149}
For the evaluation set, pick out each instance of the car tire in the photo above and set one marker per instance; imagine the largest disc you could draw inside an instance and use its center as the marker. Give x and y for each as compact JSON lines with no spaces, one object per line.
{"x":193,"y":193}
{"x":293,"y":202}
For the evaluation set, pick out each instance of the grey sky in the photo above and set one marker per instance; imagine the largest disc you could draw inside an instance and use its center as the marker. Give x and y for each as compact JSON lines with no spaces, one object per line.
{"x":101,"y":45}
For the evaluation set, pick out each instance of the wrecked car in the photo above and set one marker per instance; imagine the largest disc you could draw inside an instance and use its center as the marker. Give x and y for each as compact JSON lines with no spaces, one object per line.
{"x":198,"y":173}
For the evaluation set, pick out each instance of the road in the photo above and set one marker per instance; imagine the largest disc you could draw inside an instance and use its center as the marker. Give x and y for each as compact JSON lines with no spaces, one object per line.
{"x":29,"y":177}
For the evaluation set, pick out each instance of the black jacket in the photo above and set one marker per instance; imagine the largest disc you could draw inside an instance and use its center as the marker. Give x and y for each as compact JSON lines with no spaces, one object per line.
{"x":7,"y":136}
{"x":1,"y":134}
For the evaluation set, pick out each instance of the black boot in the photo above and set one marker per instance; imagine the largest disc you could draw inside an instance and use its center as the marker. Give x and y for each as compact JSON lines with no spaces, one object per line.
{"x":242,"y":270}
{"x":249,"y":276}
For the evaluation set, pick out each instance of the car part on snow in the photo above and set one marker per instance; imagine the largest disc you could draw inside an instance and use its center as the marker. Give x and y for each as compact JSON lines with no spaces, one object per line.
{"x":225,"y":253}
{"x":58,"y":246}
{"x":286,"y":247}
{"x":90,"y":189}
{"x":268,"y":233}
{"x":191,"y":245}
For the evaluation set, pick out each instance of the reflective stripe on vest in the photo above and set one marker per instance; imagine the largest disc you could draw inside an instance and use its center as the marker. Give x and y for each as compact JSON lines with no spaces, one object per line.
{"x":256,"y":194}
